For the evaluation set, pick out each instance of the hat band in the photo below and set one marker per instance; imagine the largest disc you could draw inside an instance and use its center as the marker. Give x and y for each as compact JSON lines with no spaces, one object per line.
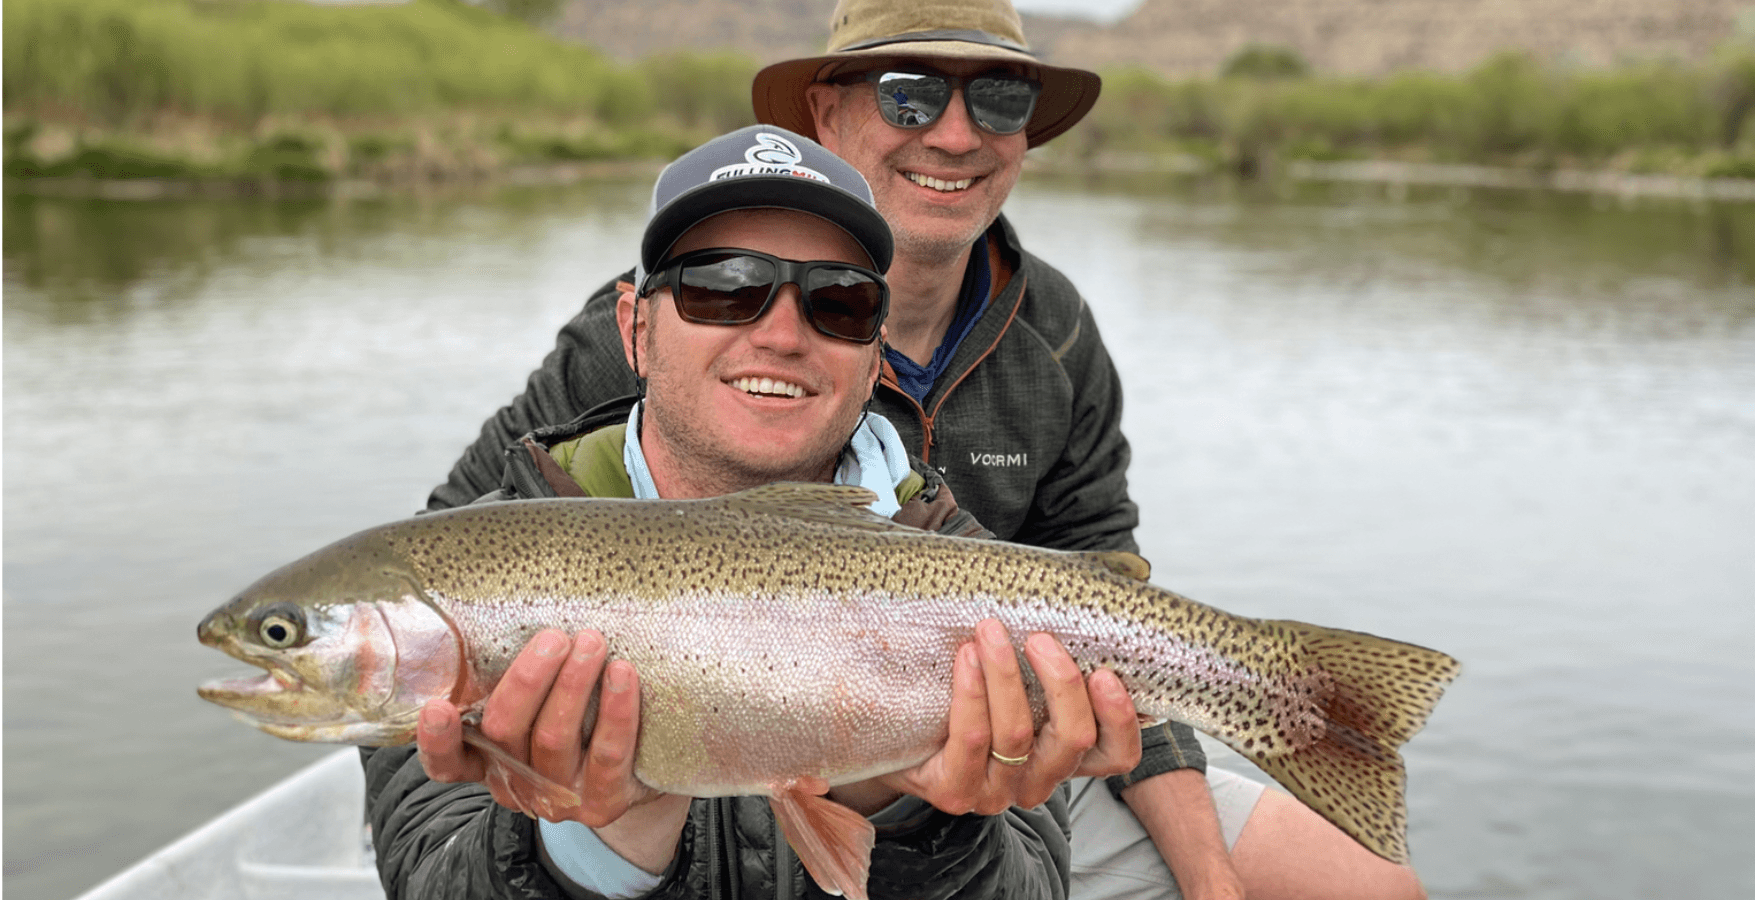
{"x":965,"y":35}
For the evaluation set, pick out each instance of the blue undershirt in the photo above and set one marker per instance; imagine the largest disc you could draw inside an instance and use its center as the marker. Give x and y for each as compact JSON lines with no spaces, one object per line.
{"x":916,"y":380}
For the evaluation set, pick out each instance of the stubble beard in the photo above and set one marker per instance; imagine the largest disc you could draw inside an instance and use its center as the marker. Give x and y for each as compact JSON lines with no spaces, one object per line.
{"x":933,"y":247}
{"x":709,"y":468}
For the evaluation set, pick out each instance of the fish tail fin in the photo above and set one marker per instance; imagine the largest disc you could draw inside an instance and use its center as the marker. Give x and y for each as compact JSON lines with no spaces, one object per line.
{"x":832,"y":841}
{"x":1337,"y":722}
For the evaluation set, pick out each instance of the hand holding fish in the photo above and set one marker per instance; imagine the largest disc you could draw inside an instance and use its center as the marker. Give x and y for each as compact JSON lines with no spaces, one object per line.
{"x":1090,"y":731}
{"x":535,"y":716}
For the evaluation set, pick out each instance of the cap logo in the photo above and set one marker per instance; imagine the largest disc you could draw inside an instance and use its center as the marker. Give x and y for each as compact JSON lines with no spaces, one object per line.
{"x":771,"y":155}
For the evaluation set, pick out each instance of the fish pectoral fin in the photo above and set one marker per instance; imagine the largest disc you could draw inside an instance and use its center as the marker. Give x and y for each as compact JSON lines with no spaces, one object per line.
{"x":833,"y":842}
{"x":537,"y":796}
{"x":1121,"y":562}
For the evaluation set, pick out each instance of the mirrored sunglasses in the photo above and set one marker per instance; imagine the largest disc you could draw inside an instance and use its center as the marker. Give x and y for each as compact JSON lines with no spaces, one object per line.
{"x":736,"y":287}
{"x":1000,"y":102}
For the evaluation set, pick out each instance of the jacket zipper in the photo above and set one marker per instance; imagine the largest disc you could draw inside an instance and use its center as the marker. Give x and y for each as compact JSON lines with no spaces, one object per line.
{"x":928,"y":421}
{"x":783,"y":864}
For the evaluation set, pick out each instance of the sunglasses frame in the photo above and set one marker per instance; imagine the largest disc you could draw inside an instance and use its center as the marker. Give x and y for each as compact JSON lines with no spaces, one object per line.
{"x":956,"y":83}
{"x":786,"y":271}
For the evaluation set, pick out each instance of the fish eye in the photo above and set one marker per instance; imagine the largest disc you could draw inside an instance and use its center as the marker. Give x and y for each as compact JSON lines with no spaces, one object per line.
{"x":281,"y":626}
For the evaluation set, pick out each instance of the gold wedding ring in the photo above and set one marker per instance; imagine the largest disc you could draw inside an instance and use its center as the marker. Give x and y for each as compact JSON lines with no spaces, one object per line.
{"x":1009,"y":760}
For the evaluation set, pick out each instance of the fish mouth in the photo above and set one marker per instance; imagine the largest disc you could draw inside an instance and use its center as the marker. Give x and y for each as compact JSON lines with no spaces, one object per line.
{"x":227,"y":691}
{"x":251,"y":695}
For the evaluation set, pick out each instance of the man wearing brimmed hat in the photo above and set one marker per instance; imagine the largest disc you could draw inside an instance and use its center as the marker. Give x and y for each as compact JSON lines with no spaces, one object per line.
{"x":994,"y":374}
{"x":753,"y":324}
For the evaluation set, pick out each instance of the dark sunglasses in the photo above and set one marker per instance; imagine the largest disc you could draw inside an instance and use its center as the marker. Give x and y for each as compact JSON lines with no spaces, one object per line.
{"x":736,"y":287}
{"x":1000,"y":102}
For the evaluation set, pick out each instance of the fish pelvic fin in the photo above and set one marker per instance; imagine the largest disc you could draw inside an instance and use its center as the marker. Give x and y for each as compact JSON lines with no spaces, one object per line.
{"x":537,"y":796}
{"x":1363,"y":697}
{"x":833,"y":842}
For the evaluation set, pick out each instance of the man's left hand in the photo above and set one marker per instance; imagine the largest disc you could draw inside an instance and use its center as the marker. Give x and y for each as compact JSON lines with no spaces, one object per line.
{"x":994,"y":758}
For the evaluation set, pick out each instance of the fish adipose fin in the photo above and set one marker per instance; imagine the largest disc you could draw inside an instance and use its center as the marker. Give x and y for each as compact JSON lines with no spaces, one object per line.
{"x":1121,"y":562}
{"x":537,"y":796}
{"x":833,"y":842}
{"x":1369,"y":695}
{"x":844,"y":505}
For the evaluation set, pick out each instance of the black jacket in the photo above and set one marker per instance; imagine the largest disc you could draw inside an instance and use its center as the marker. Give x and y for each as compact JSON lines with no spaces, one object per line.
{"x":452,"y":841}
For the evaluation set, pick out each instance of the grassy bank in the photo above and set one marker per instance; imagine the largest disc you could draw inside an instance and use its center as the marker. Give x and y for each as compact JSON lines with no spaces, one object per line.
{"x":286,"y":91}
{"x":290,"y":91}
{"x":1510,"y":111}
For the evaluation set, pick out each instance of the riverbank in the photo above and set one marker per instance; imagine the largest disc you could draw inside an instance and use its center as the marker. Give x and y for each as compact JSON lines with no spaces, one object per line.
{"x":1393,"y":173}
{"x":147,"y":98}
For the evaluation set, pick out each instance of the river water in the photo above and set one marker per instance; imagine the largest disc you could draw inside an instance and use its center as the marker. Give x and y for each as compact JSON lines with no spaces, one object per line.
{"x":1517,"y":427}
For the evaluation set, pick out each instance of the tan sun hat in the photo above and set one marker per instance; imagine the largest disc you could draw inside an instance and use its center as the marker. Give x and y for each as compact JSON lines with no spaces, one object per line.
{"x":923,"y":29}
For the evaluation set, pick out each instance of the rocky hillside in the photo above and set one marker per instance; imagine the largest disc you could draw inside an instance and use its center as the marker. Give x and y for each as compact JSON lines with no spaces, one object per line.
{"x":1195,"y":37}
{"x":1190,"y":37}
{"x":768,"y":30}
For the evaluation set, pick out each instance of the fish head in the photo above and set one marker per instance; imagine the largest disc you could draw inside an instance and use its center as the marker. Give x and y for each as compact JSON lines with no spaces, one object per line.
{"x":352,"y":647}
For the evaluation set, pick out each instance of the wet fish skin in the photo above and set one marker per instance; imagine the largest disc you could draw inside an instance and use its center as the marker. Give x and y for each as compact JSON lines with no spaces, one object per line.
{"x":787,"y":632}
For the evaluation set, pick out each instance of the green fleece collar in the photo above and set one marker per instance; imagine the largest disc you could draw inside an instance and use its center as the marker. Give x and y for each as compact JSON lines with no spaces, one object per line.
{"x":595,"y":462}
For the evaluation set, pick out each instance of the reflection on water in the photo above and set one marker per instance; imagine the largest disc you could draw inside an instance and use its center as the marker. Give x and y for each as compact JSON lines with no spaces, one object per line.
{"x":1518,"y":427}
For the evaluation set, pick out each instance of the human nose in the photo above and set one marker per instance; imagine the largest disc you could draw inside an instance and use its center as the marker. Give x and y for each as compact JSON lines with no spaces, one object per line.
{"x":784,"y":328}
{"x":954,"y":132}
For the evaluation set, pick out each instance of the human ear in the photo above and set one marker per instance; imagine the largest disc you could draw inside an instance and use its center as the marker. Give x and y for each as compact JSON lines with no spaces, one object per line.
{"x":627,"y":321}
{"x":877,"y":367}
{"x":825,"y":105}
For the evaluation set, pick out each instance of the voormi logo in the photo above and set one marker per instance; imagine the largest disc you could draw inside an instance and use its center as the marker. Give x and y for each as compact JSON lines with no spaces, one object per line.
{"x":771,"y":155}
{"x":999,"y":459}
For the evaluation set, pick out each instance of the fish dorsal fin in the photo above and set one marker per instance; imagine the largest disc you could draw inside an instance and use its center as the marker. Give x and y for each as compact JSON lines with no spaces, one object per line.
{"x":844,"y":505}
{"x":1121,"y":562}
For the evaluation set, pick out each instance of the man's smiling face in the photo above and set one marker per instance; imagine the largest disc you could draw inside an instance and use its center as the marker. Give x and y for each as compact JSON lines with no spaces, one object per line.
{"x":737,"y":406}
{"x":939,"y":186}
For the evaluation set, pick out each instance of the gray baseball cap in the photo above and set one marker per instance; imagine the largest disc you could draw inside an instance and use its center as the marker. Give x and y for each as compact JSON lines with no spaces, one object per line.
{"x":761,"y":167}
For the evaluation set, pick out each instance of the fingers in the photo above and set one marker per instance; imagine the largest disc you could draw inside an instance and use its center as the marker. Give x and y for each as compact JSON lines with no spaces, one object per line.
{"x":1118,"y":734}
{"x":513,"y":707}
{"x":557,"y":741}
{"x":1008,"y":706}
{"x":442,"y":751}
{"x":1071,"y":729}
{"x":608,"y":786}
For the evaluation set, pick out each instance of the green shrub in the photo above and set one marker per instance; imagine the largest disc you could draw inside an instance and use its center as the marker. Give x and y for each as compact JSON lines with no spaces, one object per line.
{"x":1735,"y":167}
{"x":707,"y":91}
{"x":1265,"y":61}
{"x":115,"y":159}
{"x":120,"y":60}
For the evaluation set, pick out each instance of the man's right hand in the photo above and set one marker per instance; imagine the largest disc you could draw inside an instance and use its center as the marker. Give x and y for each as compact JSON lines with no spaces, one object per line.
{"x":536,"y":715}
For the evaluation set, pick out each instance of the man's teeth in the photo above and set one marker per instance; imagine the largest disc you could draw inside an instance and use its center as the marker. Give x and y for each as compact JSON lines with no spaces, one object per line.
{"x":938,"y":184}
{"x":768,"y":386}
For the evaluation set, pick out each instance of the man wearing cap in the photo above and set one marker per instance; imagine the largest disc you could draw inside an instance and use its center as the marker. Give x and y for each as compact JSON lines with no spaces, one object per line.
{"x":753,"y":325}
{"x":994,"y":374}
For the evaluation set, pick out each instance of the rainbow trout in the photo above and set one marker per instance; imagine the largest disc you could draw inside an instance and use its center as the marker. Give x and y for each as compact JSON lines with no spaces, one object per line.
{"x":788,"y":632}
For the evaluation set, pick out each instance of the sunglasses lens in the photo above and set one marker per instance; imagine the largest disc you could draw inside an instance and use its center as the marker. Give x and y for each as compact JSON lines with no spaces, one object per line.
{"x":909,"y":100}
{"x":725,"y":289}
{"x":1002,"y":105}
{"x":845,"y":303}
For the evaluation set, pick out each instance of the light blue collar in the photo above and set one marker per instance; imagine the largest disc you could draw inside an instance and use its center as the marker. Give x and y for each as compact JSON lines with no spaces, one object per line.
{"x":877,"y":461}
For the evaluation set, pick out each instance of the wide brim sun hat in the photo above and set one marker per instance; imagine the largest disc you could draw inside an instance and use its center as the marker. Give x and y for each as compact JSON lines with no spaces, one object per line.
{"x":873,"y":30}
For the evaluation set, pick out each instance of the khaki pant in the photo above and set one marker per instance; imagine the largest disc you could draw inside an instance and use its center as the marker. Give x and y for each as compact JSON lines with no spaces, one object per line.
{"x":1112,"y":856}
